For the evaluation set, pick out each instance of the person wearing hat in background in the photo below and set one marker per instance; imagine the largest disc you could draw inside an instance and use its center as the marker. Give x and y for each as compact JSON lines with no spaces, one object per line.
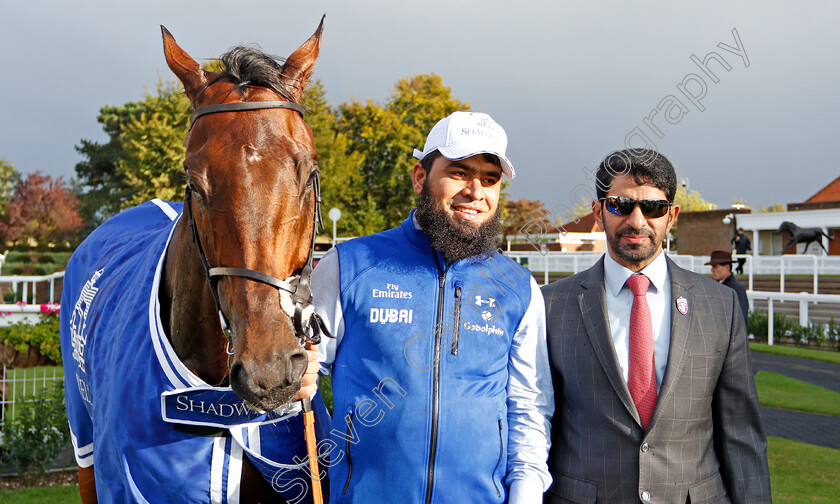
{"x":440,"y":377}
{"x":721,"y":263}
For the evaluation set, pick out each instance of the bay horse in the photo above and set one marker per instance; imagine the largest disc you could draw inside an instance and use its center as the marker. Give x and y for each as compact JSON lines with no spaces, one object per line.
{"x":802,"y":235}
{"x":183,"y":325}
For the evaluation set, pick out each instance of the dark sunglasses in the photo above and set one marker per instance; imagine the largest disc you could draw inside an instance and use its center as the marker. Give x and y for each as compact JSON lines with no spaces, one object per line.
{"x":622,"y":205}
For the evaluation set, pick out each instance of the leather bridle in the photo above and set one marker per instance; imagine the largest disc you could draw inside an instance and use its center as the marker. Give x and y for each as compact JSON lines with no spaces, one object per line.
{"x":244,"y":106}
{"x":295,"y":294}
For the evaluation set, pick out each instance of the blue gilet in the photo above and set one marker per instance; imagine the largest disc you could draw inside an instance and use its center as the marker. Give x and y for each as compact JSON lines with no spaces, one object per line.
{"x":420,"y":376}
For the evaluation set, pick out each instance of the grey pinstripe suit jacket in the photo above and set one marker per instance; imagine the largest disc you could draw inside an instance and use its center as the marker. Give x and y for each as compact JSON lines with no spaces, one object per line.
{"x":705,"y":442}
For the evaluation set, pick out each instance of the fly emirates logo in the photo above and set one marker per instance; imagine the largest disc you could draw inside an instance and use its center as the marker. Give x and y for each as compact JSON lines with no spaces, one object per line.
{"x":392,"y":291}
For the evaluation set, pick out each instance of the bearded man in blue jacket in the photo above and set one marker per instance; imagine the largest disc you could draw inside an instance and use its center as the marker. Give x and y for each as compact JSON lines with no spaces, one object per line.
{"x":440,"y":377}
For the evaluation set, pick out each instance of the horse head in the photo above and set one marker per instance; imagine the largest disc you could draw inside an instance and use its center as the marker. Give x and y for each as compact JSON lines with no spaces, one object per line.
{"x":788,"y":226}
{"x":251,"y":174}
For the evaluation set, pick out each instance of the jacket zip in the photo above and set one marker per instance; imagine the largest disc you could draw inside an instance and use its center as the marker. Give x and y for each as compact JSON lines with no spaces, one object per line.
{"x":349,"y":420}
{"x":501,"y":449}
{"x":436,"y":382}
{"x":455,"y":328}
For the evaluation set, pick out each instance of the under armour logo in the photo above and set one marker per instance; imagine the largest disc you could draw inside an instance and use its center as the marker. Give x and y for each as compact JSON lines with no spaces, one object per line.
{"x":480,"y":301}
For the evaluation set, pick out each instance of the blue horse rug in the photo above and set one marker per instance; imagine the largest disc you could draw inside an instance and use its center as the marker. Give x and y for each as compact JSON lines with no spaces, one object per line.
{"x":131,"y":402}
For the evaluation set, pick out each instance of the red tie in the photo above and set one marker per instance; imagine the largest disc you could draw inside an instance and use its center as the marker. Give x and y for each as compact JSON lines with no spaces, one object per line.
{"x":642,"y":376}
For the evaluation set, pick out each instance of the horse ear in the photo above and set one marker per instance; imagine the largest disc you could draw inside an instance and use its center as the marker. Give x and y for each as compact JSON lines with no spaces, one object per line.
{"x":299,"y":66}
{"x":188,"y":71}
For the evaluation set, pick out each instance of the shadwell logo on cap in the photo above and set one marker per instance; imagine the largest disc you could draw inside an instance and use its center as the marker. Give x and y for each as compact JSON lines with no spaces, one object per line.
{"x":484,"y":127}
{"x":465,"y":134}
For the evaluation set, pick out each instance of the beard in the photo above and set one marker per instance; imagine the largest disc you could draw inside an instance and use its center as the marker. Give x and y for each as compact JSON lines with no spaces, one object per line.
{"x":455,"y":239}
{"x":634,"y":253}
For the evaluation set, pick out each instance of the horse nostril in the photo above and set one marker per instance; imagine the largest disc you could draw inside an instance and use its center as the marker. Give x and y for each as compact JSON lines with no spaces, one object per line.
{"x":297,"y":364}
{"x":238,"y":374}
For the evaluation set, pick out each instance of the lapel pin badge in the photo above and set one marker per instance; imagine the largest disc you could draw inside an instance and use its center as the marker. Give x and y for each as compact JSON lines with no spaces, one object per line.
{"x":682,"y":305}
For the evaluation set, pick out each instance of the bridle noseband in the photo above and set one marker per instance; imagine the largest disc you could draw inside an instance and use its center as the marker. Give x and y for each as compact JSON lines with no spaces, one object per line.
{"x":295,"y":294}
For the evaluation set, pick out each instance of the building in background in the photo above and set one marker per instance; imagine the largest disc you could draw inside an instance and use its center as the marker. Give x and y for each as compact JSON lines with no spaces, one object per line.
{"x":701,"y":232}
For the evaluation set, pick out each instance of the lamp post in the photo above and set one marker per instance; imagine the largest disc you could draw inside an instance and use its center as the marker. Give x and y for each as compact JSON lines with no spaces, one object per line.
{"x":334,"y":215}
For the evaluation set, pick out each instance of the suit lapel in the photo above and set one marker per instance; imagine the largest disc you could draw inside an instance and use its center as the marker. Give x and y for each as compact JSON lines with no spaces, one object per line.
{"x":680,"y":323}
{"x":593,"y":309}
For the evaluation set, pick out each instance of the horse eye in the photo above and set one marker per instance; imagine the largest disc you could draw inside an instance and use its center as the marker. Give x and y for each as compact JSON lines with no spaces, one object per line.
{"x":196,"y":195}
{"x":312,"y":176}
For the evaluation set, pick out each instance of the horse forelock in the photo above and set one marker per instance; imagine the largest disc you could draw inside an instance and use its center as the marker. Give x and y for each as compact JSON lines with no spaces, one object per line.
{"x":247,"y":66}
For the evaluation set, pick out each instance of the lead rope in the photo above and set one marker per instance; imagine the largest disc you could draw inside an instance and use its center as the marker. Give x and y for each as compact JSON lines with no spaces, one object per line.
{"x":311,"y":450}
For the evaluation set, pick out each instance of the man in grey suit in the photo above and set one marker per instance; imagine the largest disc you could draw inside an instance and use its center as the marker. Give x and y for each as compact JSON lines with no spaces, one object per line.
{"x":654,"y":393}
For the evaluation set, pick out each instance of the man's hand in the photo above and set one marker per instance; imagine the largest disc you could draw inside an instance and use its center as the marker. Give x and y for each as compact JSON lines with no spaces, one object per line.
{"x":309,"y":382}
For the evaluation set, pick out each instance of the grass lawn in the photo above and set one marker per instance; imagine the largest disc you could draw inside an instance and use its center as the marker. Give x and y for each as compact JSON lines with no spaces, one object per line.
{"x":34,"y":372}
{"x":325,"y":387}
{"x":779,"y":391}
{"x":44,"y":495}
{"x":803,"y":353}
{"x":24,"y":382}
{"x":803,"y":473}
{"x":799,"y":474}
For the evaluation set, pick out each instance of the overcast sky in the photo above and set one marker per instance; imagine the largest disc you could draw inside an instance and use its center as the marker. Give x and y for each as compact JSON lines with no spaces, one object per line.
{"x":569,"y":81}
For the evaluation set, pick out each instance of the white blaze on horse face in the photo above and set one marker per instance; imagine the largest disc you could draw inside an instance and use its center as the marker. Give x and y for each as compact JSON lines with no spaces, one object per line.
{"x":251,"y":154}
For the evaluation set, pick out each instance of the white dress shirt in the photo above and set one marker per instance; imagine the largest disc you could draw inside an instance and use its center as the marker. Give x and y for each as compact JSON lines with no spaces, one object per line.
{"x":620,"y":302}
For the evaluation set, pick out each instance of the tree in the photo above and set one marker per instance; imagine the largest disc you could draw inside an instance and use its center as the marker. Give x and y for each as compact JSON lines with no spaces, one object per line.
{"x":578,"y":211}
{"x":100,"y":185}
{"x":364,"y":151}
{"x":142,"y":158}
{"x":42,"y":209}
{"x":778,"y":207}
{"x":342,"y":186}
{"x":690,"y":200}
{"x":386,"y":135}
{"x":9,"y":177}
{"x":153,"y":145}
{"x":522,"y":213}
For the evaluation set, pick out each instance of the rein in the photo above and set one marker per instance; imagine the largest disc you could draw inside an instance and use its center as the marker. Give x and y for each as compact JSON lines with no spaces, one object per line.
{"x":295,"y":294}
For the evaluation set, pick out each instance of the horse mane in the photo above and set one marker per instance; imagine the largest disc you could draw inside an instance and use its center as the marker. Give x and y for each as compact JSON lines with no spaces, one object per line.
{"x":787,"y":225}
{"x":248,"y":66}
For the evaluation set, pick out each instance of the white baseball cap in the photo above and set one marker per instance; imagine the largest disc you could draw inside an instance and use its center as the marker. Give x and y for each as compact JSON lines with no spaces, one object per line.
{"x":464,"y":134}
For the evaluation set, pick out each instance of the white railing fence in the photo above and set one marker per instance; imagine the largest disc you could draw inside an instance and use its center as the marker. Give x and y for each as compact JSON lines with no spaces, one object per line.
{"x":19,"y":385}
{"x":541,"y":264}
{"x":806,"y":301}
{"x":553,"y":262}
{"x":23,"y":287}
